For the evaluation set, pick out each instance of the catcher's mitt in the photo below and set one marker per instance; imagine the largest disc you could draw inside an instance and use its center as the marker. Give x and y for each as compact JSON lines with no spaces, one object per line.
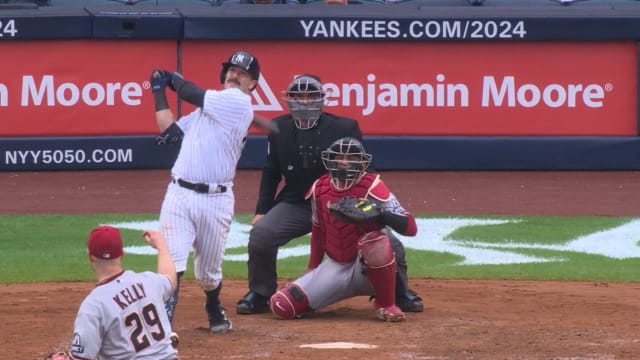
{"x":60,"y":355}
{"x":355,"y":211}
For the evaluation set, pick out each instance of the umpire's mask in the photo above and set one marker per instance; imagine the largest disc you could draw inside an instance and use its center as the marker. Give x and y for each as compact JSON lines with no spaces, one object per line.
{"x":305,"y":99}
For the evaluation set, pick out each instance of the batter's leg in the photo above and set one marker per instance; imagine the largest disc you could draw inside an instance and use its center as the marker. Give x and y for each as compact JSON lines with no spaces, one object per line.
{"x":218,"y":322}
{"x":213,"y":216}
{"x":179,"y":231}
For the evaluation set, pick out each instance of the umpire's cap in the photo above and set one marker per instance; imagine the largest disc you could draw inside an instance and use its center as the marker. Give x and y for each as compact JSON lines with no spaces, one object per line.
{"x":243,"y":60}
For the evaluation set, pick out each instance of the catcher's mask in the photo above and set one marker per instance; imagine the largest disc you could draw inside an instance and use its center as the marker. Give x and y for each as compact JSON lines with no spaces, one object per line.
{"x":346,"y":161}
{"x":305,"y":99}
{"x":243,"y":60}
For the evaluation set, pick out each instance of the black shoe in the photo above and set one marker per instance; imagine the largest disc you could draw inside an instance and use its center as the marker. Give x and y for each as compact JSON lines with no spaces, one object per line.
{"x":252,"y":303}
{"x":218,"y":322}
{"x":410,"y":302}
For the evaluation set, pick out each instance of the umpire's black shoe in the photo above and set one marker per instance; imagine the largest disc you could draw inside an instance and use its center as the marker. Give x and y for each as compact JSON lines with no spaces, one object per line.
{"x":409,"y":302}
{"x":252,"y":303}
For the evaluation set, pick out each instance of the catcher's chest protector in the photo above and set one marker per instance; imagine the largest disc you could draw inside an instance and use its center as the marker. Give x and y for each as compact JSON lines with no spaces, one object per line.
{"x":341,"y":238}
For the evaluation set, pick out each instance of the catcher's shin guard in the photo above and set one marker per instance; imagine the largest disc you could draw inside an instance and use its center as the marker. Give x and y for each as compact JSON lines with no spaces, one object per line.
{"x":289,"y":302}
{"x":380,"y":263}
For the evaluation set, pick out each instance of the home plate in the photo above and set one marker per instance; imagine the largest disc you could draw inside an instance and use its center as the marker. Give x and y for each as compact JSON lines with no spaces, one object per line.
{"x":338,"y":345}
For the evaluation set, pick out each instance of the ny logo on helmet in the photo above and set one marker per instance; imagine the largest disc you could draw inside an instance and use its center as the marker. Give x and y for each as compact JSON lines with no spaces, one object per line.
{"x":238,"y":58}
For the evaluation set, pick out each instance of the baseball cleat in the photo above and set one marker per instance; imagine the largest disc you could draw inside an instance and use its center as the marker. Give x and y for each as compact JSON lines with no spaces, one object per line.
{"x":390,"y":313}
{"x":219,"y":324}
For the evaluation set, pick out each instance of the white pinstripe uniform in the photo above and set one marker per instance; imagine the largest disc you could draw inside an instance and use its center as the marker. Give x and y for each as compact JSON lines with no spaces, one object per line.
{"x":214,"y":137}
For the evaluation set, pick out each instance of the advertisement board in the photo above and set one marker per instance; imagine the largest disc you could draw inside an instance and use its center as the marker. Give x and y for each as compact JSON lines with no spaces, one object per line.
{"x":86,"y":88}
{"x":529,"y":88}
{"x":80,"y":87}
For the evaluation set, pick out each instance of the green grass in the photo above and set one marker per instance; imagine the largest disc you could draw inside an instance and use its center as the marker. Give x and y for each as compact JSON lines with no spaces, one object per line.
{"x":38,"y":248}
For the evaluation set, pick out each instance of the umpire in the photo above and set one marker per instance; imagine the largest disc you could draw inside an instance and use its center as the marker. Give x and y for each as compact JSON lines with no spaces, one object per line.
{"x":281,"y":216}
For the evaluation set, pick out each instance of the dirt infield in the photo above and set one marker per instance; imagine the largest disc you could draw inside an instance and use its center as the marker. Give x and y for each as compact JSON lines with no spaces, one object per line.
{"x":462,"y":319}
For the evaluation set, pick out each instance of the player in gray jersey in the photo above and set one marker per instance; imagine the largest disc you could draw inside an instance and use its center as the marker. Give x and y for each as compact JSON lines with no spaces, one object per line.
{"x":124,"y":316}
{"x":199,"y":203}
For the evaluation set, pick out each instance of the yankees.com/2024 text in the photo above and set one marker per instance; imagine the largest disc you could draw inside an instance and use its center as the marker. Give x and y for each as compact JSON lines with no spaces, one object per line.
{"x":414,"y":29}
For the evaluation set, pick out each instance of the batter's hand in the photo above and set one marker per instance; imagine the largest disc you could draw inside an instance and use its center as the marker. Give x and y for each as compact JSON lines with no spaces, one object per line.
{"x":159,"y":80}
{"x":175,"y":78}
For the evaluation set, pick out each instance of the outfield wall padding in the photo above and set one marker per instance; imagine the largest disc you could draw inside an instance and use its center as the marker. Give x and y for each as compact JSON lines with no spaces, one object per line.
{"x":390,"y":153}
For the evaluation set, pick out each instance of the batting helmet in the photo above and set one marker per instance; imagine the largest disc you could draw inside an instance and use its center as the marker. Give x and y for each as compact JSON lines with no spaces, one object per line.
{"x":346,"y":161}
{"x":305,"y":98}
{"x":243,"y":60}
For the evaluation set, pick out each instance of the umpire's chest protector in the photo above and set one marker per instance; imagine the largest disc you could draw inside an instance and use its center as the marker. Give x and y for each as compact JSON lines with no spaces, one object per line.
{"x":341,"y":238}
{"x":298,"y":152}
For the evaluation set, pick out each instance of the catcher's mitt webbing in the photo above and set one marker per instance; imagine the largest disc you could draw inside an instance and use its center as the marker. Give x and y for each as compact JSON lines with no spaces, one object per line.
{"x":355,"y":211}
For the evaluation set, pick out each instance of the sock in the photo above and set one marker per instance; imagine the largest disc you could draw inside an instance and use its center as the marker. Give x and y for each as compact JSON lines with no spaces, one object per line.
{"x":212,"y":302}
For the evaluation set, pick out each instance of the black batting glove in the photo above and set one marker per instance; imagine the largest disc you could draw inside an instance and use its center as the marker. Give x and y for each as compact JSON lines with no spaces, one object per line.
{"x":159,"y":80}
{"x":175,"y":80}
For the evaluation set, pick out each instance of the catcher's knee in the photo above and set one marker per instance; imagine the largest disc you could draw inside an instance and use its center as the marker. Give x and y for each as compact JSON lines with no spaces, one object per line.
{"x":375,"y":249}
{"x":289,"y":302}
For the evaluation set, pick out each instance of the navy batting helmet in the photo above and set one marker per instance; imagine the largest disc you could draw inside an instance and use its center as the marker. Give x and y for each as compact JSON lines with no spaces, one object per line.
{"x":243,"y":60}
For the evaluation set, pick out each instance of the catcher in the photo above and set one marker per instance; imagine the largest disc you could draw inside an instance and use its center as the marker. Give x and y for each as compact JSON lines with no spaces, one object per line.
{"x":349,"y":208}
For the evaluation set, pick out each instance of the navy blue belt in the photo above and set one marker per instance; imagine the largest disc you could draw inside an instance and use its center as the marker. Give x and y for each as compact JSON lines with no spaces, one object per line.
{"x":199,"y":187}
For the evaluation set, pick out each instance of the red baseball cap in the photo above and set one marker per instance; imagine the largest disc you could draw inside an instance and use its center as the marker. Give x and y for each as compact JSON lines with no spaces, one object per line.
{"x":105,"y":242}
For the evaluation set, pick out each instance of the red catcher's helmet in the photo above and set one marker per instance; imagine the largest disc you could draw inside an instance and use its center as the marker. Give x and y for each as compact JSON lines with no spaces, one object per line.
{"x":243,"y":60}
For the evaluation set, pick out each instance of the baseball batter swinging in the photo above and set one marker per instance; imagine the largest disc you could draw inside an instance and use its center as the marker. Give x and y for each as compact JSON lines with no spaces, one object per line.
{"x":199,"y":203}
{"x":359,"y":257}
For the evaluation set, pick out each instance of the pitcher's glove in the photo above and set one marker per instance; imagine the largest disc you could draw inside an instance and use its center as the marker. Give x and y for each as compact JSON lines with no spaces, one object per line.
{"x":356,"y":211}
{"x":60,"y":355}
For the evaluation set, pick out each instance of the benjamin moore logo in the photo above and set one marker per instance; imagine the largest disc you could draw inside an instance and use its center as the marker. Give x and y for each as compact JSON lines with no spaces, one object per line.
{"x":434,"y":235}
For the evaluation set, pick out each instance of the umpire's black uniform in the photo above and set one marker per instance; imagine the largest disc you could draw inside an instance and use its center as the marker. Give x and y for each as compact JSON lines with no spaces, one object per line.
{"x":295,"y":154}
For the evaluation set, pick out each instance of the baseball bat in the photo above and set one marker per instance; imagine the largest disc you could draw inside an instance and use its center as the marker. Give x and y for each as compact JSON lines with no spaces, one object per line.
{"x":265,"y":124}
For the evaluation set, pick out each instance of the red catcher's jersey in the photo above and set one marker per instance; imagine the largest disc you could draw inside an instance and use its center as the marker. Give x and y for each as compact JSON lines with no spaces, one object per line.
{"x":340,"y":242}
